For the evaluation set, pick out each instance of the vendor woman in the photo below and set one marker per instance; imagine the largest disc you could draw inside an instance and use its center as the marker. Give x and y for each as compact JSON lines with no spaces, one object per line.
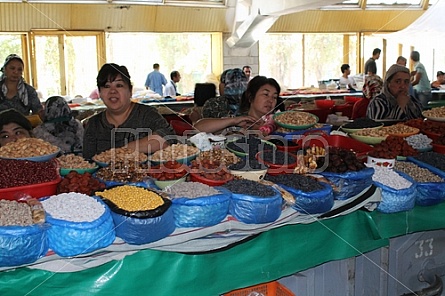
{"x":395,"y":102}
{"x":123,"y":123}
{"x":13,"y":126}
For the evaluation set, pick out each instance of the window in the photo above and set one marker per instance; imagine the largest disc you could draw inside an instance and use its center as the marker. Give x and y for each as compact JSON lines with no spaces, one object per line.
{"x":12,"y":43}
{"x":190,"y":54}
{"x":66,"y":64}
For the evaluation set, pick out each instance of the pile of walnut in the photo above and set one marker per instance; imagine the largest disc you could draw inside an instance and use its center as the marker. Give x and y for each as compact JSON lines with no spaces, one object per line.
{"x":392,"y":147}
{"x":121,"y":154}
{"x":307,"y":162}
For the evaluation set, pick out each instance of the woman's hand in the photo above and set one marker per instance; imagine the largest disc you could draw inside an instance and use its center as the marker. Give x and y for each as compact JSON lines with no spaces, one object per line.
{"x":245,"y":122}
{"x":403,"y":100}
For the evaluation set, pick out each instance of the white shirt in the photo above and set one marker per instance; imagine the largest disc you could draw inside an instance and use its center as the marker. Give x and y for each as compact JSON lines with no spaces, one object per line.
{"x":347,"y":81}
{"x":170,"y":89}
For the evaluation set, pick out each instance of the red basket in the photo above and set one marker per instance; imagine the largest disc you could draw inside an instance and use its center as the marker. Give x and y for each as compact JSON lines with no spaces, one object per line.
{"x":34,"y":190}
{"x":324,"y":104}
{"x":352,"y":99}
{"x":267,"y":289}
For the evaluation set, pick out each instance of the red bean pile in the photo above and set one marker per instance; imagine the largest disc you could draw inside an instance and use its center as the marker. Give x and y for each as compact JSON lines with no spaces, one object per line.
{"x":24,"y":172}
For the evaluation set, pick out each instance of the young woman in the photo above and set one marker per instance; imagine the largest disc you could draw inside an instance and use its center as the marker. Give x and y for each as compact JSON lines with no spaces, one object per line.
{"x":123,"y":123}
{"x":258,"y":101}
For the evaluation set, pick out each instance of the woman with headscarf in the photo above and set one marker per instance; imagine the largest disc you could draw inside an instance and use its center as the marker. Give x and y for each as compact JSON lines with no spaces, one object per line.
{"x":59,"y":127}
{"x":15,"y":93}
{"x":395,"y":102}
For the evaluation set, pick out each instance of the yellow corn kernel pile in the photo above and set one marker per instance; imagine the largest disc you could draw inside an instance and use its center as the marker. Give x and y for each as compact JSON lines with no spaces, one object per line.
{"x":132,"y":198}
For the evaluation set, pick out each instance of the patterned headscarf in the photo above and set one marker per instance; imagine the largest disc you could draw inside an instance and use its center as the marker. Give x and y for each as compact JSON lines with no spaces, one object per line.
{"x":21,"y":89}
{"x":391,"y":72}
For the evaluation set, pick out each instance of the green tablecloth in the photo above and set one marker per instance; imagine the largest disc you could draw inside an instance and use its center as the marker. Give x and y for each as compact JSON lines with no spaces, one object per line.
{"x":269,"y":256}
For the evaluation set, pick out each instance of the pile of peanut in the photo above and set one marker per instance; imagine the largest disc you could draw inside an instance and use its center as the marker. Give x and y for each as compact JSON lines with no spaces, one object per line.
{"x":400,"y":129}
{"x":27,"y":147}
{"x":120,"y":155}
{"x":372,"y":132}
{"x":174,"y":152}
{"x":438,"y":112}
{"x":71,"y":161}
{"x":295,"y":118}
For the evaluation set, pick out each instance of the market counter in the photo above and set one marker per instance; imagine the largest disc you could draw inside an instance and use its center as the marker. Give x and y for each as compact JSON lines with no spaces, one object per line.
{"x":268,"y":256}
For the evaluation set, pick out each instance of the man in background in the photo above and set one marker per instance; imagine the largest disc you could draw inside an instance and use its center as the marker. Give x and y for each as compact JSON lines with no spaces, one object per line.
{"x":170,"y":88}
{"x":402,"y":62}
{"x":155,"y":80}
{"x":370,"y":65}
{"x":248,"y":71}
{"x":345,"y":80}
{"x":420,"y":81}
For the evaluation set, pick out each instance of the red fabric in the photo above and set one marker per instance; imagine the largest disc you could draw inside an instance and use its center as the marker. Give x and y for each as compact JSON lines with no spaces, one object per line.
{"x":359,"y":109}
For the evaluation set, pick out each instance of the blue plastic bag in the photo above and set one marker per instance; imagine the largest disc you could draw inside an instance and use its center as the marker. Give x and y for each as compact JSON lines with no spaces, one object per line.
{"x":349,"y":184}
{"x":22,"y":244}
{"x":201,"y":211}
{"x":429,"y":193}
{"x":314,"y":202}
{"x":68,"y":238}
{"x":397,"y":200}
{"x":255,"y":209}
{"x":138,"y":231}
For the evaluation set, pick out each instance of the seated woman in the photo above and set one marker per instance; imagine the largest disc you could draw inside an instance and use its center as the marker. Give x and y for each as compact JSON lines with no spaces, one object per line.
{"x":123,"y":123}
{"x":372,"y":86}
{"x":14,"y":91}
{"x":13,"y":126}
{"x":258,"y":102}
{"x":395,"y":102}
{"x":59,"y":127}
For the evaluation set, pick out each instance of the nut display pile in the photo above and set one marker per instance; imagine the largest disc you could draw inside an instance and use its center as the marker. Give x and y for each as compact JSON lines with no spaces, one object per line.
{"x":222,"y":155}
{"x":123,"y":172}
{"x":295,"y":118}
{"x":174,"y":152}
{"x":121,"y":154}
{"x":17,"y":172}
{"x":81,"y":183}
{"x":72,"y":161}
{"x":27,"y":147}
{"x":392,"y":147}
{"x":341,"y":160}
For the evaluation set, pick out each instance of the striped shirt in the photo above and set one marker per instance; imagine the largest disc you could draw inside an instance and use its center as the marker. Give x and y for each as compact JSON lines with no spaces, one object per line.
{"x":382,"y":107}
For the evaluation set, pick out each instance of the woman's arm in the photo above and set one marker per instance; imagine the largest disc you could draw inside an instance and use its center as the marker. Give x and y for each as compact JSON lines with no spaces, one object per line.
{"x":212,"y":125}
{"x":89,"y":148}
{"x":149,"y":144}
{"x":34,"y":101}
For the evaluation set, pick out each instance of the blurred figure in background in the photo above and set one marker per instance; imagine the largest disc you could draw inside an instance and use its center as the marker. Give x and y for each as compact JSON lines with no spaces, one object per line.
{"x":59,"y":127}
{"x":155,"y":80}
{"x":248,"y":72}
{"x":420,"y":81}
{"x":440,"y":80}
{"x":370,"y":65}
{"x":170,"y":88}
{"x":15,"y":93}
{"x":232,"y":86}
{"x":345,"y":80}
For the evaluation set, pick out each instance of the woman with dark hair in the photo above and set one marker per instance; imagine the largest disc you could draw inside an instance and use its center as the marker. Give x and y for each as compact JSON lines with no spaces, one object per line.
{"x":59,"y":127}
{"x":395,"y":102}
{"x":15,"y":93}
{"x":123,"y":123}
{"x":13,"y":126}
{"x":258,"y":101}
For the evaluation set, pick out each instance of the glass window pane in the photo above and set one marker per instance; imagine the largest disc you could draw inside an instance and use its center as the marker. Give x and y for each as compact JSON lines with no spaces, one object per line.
{"x":353,"y":54}
{"x":81,"y":65}
{"x":323,"y":57}
{"x":48,"y":66}
{"x":393,"y":2}
{"x":190,"y":54}
{"x":10,"y":44}
{"x":280,"y":57}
